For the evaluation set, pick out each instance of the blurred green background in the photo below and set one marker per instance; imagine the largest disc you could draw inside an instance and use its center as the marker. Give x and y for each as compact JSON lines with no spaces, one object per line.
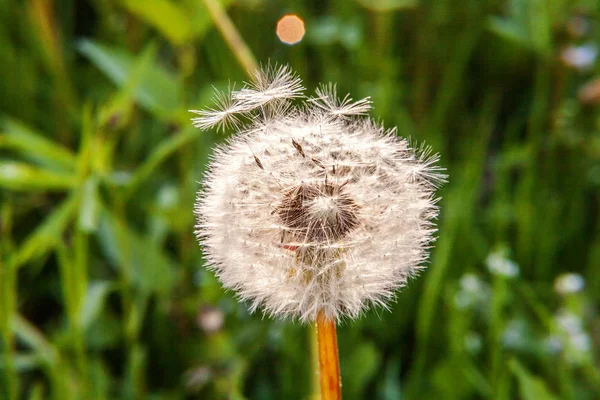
{"x":103,"y":294}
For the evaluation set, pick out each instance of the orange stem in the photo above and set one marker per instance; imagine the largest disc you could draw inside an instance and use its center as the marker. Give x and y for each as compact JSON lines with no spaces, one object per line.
{"x":329,"y":364}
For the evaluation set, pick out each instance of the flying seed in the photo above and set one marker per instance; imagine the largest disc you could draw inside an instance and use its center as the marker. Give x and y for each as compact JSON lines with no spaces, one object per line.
{"x":318,"y":163}
{"x":259,"y":163}
{"x":299,"y":148}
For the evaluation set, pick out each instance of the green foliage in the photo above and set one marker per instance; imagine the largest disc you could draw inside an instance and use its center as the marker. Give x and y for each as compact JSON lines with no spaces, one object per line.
{"x":103,"y":293}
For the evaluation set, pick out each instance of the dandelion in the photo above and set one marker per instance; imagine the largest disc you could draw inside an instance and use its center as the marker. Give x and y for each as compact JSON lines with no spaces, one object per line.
{"x":306,"y":211}
{"x":313,"y":211}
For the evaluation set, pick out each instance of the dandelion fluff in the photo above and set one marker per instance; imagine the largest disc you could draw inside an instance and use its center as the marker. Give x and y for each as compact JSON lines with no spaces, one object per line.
{"x":328,"y":100}
{"x":224,"y":114}
{"x":310,"y":208}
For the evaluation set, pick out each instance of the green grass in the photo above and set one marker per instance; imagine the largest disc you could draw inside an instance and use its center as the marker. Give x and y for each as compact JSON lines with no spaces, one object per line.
{"x":102,"y":284}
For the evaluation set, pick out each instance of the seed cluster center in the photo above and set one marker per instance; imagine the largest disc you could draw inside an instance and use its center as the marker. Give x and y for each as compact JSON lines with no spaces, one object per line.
{"x":318,"y":212}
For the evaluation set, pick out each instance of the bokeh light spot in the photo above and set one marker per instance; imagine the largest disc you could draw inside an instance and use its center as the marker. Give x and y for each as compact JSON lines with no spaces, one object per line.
{"x":290,"y":29}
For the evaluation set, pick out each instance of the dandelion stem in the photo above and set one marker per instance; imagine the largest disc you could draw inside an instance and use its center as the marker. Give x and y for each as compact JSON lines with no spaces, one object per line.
{"x":315,"y":385}
{"x":232,"y":36}
{"x":329,"y":364}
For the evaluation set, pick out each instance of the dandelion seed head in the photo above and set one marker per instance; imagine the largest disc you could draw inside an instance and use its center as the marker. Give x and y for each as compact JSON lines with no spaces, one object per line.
{"x":309,"y":210}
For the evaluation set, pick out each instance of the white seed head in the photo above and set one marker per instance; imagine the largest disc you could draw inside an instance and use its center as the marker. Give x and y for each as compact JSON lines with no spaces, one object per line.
{"x":312,"y":208}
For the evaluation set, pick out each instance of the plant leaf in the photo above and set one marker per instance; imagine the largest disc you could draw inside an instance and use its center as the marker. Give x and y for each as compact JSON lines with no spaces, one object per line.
{"x":48,"y":233}
{"x":362,"y":365}
{"x":24,"y":177}
{"x":161,"y":153}
{"x":155,"y":89}
{"x":35,"y":340}
{"x":93,"y":303}
{"x":388,"y":5}
{"x":143,"y":264}
{"x":89,"y":209}
{"x":20,"y":137}
{"x":531,"y":387}
{"x":167,"y":17}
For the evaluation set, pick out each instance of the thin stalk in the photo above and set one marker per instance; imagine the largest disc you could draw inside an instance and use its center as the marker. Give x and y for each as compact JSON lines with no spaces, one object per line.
{"x":329,"y":364}
{"x":231,"y":35}
{"x":8,"y":283}
{"x":8,"y":300}
{"x":315,"y":386}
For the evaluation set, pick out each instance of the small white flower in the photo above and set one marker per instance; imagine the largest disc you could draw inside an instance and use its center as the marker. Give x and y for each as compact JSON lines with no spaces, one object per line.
{"x":499,"y":264}
{"x":569,"y":322}
{"x":210,"y":319}
{"x":580,"y":57}
{"x":569,"y":284}
{"x":515,"y":334}
{"x":473,"y":292}
{"x":473,"y":342}
{"x":552,"y":344}
{"x":472,"y":284}
{"x":575,"y":342}
{"x":581,"y":343}
{"x":308,"y":210}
